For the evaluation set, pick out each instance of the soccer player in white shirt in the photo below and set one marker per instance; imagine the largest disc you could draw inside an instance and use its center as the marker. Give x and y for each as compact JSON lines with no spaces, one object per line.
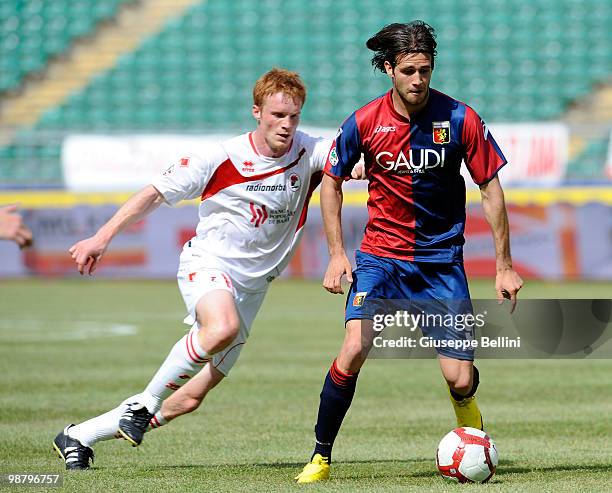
{"x":254,"y":192}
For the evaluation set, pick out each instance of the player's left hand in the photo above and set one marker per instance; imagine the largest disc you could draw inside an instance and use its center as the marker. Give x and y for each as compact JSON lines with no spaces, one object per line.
{"x":339,"y":265}
{"x":507,"y":285}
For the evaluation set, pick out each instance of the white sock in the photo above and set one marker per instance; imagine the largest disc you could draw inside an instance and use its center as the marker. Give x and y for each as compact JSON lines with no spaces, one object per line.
{"x":185,"y":360}
{"x":157,"y":421}
{"x":103,"y":427}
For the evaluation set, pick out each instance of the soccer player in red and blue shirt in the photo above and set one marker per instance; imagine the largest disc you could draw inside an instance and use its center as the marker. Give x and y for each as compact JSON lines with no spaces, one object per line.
{"x":413,"y":140}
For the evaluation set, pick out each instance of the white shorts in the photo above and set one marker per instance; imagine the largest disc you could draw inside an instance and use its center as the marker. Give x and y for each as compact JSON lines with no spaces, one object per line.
{"x":195,"y":283}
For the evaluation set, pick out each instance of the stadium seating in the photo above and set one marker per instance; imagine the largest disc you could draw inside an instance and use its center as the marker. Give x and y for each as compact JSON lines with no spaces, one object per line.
{"x":512,"y":60}
{"x":33,"y":31}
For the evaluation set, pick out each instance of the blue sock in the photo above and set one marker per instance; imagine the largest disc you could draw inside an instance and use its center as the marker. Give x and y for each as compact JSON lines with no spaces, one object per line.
{"x":336,"y":397}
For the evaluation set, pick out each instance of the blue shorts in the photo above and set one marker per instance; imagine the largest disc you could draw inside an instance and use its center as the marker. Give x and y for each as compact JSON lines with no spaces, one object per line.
{"x":384,"y":284}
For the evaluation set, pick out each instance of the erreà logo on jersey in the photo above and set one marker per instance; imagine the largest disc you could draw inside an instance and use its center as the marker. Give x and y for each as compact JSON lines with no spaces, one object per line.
{"x":248,"y":167}
{"x":415,"y":161}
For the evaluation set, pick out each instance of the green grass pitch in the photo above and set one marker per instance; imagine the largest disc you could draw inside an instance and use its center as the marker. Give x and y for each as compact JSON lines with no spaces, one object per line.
{"x":70,"y":349}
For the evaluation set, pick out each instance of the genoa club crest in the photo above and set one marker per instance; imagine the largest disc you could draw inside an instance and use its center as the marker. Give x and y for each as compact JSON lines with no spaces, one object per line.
{"x":441,"y":132}
{"x":359,"y":298}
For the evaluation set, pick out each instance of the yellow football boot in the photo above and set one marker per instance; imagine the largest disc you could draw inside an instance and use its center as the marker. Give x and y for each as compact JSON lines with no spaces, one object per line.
{"x":467,"y":412}
{"x":316,"y":470}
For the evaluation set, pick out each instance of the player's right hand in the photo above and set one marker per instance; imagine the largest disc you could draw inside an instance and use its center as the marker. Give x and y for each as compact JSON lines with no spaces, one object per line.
{"x":338,"y":266}
{"x":12,"y":227}
{"x":359,"y":171}
{"x":87,"y":253}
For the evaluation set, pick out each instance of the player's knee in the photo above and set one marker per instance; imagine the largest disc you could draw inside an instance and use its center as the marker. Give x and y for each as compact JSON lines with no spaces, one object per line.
{"x":352,"y":355}
{"x":460,"y":389}
{"x":354,"y":349}
{"x":227,"y":329}
{"x":217,"y":334}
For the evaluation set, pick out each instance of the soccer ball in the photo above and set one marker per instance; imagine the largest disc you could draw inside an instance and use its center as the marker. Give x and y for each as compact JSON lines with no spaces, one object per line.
{"x":467,"y":455}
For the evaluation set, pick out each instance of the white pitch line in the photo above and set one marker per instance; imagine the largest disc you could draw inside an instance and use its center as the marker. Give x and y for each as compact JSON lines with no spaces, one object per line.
{"x":32,"y":330}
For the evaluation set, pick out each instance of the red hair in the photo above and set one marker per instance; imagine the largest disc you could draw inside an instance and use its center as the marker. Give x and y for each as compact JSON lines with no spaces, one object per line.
{"x":279,"y":80}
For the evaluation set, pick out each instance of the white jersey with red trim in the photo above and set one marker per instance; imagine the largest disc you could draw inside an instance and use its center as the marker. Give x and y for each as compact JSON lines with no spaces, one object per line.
{"x":252,"y":207}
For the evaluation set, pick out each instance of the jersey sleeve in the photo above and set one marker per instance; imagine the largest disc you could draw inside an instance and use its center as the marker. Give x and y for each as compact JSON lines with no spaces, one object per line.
{"x":345,"y":151}
{"x":483,"y":157}
{"x":185,"y":179}
{"x":320,"y":151}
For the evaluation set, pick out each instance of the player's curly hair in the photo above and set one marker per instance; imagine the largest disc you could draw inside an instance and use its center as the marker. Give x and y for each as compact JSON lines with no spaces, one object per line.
{"x":279,"y":80}
{"x":396,"y":40}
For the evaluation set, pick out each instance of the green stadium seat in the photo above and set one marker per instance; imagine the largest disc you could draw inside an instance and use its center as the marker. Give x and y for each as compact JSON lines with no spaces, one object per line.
{"x":511,"y":60}
{"x":52,"y":118}
{"x":43,"y":29}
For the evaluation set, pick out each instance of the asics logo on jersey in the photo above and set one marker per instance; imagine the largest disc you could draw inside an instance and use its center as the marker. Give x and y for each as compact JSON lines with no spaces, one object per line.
{"x":417,"y":160}
{"x":259,"y":214}
{"x":382,"y":129}
{"x":485,"y":130}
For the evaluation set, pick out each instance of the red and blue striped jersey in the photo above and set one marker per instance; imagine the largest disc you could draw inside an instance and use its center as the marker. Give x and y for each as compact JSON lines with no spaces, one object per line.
{"x":416,"y":201}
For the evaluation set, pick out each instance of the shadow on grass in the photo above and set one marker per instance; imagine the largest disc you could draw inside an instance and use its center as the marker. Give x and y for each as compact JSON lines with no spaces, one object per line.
{"x":273,"y":465}
{"x":504,"y":469}
{"x":266,"y":465}
{"x":378,"y":469}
